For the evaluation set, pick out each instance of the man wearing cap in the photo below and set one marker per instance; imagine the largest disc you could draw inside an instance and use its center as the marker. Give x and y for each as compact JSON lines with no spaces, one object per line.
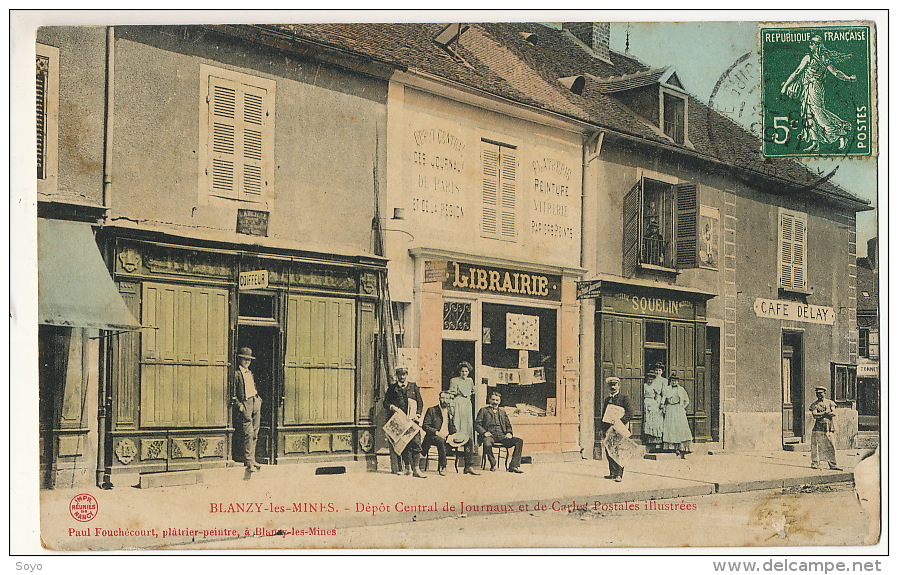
{"x":398,"y":398}
{"x":438,"y":427}
{"x":615,"y":397}
{"x":249,"y":404}
{"x":824,"y":411}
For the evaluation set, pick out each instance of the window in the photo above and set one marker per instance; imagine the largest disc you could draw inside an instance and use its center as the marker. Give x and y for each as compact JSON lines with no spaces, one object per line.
{"x":238,"y":160}
{"x":46,"y":101}
{"x":674,"y":117}
{"x":792,"y":263}
{"x":499,"y":191}
{"x":844,"y":382}
{"x":660,"y":228}
{"x":863,"y":342}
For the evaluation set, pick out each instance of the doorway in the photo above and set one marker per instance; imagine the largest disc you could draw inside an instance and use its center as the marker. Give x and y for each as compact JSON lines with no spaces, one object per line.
{"x":712,"y":359}
{"x":792,"y":378}
{"x":258,"y":329}
{"x":455,"y":352}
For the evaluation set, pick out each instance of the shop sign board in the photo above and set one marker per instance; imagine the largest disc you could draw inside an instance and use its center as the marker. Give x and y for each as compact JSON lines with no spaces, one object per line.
{"x":256,"y":279}
{"x":649,"y":305}
{"x":867,"y":370}
{"x":501,"y":281}
{"x":795,"y":311}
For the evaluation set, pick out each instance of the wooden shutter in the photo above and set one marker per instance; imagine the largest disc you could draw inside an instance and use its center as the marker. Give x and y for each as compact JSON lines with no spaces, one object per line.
{"x":682,"y":358}
{"x":241,"y":143}
{"x":792,"y":250}
{"x":319,"y":374}
{"x":621,"y":349}
{"x":632,"y":231}
{"x":489,"y":227}
{"x":43,"y":72}
{"x":507,"y":193}
{"x":686,"y":225}
{"x":184,"y":356}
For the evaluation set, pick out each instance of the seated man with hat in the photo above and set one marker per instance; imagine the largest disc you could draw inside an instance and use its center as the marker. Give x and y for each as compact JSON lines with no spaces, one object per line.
{"x":249,"y":404}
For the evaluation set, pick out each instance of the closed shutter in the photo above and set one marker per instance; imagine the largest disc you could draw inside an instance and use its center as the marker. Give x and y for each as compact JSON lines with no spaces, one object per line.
{"x":43,"y":71}
{"x":507,"y":193}
{"x":490,"y":191}
{"x":682,"y":358}
{"x":184,"y":368}
{"x":241,"y":141}
{"x":632,"y":231}
{"x":319,"y":374}
{"x":792,"y":250}
{"x":686,"y":225}
{"x":498,"y":192}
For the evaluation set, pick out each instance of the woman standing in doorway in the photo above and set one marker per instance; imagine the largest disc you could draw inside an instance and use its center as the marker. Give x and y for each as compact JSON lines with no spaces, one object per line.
{"x":653,"y":420}
{"x":677,"y":435}
{"x":462,"y":413}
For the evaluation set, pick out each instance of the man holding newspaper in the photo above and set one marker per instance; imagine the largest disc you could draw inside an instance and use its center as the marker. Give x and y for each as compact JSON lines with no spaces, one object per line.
{"x":403,"y":429}
{"x":619,"y":448}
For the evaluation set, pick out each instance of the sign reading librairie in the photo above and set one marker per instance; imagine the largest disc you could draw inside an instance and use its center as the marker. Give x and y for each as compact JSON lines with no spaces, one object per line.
{"x":780,"y":309}
{"x":257,"y":279}
{"x":501,"y":281}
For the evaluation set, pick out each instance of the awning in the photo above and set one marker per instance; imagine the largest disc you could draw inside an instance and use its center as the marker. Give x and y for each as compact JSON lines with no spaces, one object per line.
{"x":74,"y":286}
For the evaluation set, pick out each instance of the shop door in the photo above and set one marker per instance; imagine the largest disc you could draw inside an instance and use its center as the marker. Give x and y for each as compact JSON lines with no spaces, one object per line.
{"x":455,"y":352}
{"x":258,"y":329}
{"x":620,"y":346}
{"x":792,"y":388}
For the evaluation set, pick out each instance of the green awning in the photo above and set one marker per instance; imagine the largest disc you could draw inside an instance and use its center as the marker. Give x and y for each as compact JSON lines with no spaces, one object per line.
{"x":74,"y":286}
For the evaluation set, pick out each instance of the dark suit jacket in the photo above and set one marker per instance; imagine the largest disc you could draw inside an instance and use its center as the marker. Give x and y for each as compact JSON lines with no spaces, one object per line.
{"x":620,"y":400}
{"x":399,"y":397}
{"x":433,"y":420}
{"x":493,"y":420}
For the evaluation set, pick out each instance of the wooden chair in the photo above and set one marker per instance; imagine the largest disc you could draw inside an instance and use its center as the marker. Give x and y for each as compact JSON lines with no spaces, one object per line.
{"x":502,"y":451}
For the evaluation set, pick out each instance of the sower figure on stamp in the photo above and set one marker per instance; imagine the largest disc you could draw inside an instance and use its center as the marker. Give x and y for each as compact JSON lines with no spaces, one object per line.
{"x":615,"y":397}
{"x":397,"y":399}
{"x":438,"y":427}
{"x":822,"y":447}
{"x":247,"y":401}
{"x":494,"y":428}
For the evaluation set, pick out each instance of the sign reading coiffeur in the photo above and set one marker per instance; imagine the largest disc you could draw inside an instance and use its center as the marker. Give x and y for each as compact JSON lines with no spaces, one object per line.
{"x":790,"y":310}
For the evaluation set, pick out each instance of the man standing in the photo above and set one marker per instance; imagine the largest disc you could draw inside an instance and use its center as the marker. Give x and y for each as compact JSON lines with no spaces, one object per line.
{"x":621,"y":425}
{"x":249,"y":404}
{"x":437,"y":428}
{"x":824,"y":411}
{"x":494,"y":427}
{"x":397,"y":399}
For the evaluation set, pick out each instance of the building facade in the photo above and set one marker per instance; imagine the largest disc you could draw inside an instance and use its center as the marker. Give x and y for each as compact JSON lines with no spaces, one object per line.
{"x":203,"y":152}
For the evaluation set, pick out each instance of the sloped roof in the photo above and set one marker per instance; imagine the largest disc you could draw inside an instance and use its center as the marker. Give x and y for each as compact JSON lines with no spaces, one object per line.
{"x":489,"y":57}
{"x":630,"y":81}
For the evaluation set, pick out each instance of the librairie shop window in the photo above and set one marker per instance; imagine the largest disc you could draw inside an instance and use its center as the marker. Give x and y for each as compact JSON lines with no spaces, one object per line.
{"x":520,"y":356}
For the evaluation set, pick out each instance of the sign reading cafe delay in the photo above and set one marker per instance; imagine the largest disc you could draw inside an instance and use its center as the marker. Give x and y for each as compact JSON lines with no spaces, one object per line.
{"x":779,"y":309}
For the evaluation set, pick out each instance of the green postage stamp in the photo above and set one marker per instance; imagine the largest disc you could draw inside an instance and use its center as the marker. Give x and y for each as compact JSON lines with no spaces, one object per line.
{"x":816,"y":89}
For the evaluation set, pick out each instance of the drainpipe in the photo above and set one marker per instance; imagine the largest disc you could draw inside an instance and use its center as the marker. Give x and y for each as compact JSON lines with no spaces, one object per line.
{"x":102,"y":401}
{"x":588,"y":234}
{"x":110,"y":108}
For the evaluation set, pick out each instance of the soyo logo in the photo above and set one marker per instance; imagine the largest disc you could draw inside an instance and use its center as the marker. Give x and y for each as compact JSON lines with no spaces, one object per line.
{"x":83,"y":507}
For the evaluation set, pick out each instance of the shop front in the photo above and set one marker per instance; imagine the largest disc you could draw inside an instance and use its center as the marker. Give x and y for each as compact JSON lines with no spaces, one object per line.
{"x":638,"y":327}
{"x":517,"y":327}
{"x":310,"y":320}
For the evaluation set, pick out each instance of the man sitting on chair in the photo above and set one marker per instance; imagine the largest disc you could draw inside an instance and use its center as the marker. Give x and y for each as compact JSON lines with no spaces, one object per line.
{"x":437,"y":427}
{"x":495,"y":429}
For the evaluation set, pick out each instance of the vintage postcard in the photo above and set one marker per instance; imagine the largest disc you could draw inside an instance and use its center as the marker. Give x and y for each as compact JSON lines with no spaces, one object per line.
{"x":514,"y":284}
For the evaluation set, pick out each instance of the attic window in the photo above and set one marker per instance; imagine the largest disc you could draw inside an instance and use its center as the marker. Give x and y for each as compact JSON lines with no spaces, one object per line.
{"x":530,"y":38}
{"x":450,"y":35}
{"x":674,"y":116}
{"x":574,"y":83}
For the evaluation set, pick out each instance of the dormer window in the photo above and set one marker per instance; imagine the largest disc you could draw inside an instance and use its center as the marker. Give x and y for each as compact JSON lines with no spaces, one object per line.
{"x":673,"y":116}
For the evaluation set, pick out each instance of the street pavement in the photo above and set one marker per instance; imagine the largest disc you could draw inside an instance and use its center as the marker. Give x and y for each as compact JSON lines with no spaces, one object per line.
{"x":290,"y":507}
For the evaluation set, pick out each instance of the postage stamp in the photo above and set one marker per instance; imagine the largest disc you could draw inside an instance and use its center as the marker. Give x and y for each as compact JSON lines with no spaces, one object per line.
{"x":816,"y":90}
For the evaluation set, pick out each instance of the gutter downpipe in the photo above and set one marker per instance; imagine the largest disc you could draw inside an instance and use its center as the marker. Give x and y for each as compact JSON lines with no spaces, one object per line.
{"x":588,"y":261}
{"x":104,"y":402}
